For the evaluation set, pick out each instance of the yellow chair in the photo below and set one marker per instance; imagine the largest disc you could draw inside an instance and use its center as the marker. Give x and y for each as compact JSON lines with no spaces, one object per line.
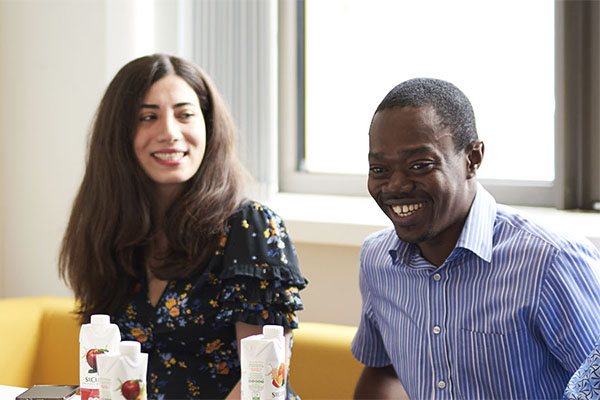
{"x":322,"y":365}
{"x":39,"y":338}
{"x":40,"y":341}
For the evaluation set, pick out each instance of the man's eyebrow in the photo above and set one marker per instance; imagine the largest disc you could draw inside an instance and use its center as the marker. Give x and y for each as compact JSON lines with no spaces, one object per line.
{"x":403,"y":153}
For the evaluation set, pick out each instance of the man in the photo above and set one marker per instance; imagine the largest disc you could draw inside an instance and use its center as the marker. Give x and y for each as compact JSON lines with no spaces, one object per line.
{"x":463,"y":298}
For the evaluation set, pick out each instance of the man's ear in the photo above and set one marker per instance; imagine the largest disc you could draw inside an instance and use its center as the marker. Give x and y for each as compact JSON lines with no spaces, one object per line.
{"x":474,"y":157}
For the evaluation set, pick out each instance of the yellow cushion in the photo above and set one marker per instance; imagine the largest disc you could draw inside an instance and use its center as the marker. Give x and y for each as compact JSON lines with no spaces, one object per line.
{"x":19,"y":336}
{"x":40,"y":341}
{"x":322,"y":365}
{"x":58,"y":358}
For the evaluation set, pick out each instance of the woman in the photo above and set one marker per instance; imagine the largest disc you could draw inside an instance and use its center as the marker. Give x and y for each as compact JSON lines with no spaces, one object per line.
{"x":162,"y":238}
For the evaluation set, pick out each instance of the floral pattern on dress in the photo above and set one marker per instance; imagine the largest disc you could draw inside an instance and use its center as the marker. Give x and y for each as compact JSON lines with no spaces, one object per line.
{"x":189,"y":334}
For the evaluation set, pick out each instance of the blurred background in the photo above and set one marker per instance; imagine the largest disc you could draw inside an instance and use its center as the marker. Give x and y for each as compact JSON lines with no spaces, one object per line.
{"x":302,"y":79}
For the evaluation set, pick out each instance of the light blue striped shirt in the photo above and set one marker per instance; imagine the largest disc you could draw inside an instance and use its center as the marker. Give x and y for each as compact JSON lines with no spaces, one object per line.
{"x":511,"y":314}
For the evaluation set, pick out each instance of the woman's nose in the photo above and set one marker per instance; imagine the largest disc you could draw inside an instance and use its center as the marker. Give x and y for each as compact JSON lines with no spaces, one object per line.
{"x":170,"y":131}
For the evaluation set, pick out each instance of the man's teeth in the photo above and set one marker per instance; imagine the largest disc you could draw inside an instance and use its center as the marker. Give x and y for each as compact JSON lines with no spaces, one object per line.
{"x":169,"y":156}
{"x":405,"y":210}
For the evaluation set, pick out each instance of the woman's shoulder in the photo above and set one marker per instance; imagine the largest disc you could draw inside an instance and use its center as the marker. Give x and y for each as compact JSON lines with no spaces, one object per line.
{"x":257,"y":243}
{"x":254,"y":209}
{"x":256,"y":222}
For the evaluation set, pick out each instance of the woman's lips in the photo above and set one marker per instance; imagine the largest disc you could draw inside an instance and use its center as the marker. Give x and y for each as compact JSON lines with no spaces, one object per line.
{"x":169,"y":155}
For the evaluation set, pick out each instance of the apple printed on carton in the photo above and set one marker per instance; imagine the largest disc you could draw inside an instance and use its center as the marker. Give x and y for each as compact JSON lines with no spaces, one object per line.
{"x":91,"y":359}
{"x":133,"y":389}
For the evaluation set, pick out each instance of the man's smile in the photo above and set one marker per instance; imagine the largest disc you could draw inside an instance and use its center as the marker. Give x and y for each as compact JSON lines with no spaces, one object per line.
{"x":405,"y":210}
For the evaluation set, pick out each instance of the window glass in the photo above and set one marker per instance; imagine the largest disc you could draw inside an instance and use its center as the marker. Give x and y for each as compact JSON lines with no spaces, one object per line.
{"x":499,"y":53}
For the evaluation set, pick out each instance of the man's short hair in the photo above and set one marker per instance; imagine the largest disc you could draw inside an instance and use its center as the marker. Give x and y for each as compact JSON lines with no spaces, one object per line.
{"x":450,"y":104}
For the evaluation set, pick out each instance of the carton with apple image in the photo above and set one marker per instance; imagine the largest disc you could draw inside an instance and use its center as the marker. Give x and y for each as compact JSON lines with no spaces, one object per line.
{"x":99,"y":337}
{"x":263,"y":367}
{"x":123,"y":374}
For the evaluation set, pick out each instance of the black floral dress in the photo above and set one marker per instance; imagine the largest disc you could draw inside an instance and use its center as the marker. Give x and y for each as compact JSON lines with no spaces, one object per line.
{"x":190,"y":334}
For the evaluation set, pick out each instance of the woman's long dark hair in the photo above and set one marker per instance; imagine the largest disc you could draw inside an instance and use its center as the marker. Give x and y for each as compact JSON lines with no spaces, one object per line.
{"x":113,"y":219}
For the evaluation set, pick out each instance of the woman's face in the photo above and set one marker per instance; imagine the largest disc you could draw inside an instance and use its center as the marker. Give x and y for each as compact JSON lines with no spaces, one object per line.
{"x":170,"y":138}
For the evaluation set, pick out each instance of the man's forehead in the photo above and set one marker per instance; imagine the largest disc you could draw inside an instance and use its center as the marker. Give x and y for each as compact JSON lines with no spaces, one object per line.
{"x":401,"y":121}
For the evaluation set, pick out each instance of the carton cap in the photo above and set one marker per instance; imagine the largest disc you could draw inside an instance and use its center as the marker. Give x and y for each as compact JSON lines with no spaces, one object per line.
{"x":100,"y":319}
{"x":128,"y":347}
{"x":272,"y":331}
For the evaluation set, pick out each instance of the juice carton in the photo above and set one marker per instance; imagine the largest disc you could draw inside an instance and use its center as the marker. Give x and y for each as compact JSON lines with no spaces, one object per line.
{"x":97,"y":337}
{"x":263,"y":365}
{"x":123,"y":374}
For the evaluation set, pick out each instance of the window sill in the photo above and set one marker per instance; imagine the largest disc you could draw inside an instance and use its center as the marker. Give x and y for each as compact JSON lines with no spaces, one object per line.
{"x":347,"y":221}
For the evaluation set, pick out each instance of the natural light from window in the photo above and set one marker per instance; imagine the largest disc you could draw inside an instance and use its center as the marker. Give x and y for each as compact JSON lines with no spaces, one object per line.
{"x":499,"y":53}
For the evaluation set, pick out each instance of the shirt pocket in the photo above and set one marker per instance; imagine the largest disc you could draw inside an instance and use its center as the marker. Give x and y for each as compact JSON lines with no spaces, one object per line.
{"x":492,"y":363}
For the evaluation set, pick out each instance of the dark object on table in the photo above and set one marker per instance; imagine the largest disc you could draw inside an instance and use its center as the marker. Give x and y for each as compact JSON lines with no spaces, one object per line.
{"x":48,"y":392}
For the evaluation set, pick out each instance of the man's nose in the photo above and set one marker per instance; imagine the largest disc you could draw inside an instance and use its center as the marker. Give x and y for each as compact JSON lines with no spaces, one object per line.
{"x":400,"y":182}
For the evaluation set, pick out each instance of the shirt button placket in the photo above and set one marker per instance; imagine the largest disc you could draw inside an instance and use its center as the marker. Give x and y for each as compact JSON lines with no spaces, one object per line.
{"x":440,"y":367}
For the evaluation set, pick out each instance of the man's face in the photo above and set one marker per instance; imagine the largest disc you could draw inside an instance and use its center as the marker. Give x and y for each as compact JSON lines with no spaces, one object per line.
{"x":417,"y":177}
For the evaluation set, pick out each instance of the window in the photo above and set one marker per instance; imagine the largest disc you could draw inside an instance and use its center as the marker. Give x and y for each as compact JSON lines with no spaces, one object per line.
{"x":539,"y":151}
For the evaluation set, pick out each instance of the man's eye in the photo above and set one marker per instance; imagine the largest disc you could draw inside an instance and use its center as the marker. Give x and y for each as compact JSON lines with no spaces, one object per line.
{"x":420,"y":165}
{"x":375,"y":170}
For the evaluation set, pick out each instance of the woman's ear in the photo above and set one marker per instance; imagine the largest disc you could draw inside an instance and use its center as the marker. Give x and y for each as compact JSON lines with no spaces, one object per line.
{"x":475,"y":157}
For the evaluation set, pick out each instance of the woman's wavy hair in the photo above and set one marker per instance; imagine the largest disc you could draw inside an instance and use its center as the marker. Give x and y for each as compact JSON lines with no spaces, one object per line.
{"x":113,"y":220}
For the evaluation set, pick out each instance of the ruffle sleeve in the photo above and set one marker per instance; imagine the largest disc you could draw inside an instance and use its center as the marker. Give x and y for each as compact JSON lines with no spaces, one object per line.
{"x":260,"y":277}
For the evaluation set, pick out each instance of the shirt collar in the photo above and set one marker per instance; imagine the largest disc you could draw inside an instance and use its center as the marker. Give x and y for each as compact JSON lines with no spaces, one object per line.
{"x":478,"y":232}
{"x":476,"y":236}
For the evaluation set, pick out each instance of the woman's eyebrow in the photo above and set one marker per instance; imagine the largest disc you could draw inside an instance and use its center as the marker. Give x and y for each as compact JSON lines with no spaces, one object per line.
{"x":155,"y":106}
{"x":183,"y":104}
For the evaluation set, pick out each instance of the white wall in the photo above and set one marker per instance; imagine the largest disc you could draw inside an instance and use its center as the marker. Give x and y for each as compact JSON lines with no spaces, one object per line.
{"x":52,"y":54}
{"x":56,"y":58}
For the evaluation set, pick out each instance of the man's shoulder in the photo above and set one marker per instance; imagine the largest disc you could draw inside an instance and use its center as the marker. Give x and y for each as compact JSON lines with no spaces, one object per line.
{"x":380,"y":242}
{"x":380,"y":237}
{"x":511,"y":222}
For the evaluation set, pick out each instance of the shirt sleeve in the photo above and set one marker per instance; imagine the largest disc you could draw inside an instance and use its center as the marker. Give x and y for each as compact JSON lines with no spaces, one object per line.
{"x":368,"y":346}
{"x":260,"y":278}
{"x":569,"y":316}
{"x":585,"y":383}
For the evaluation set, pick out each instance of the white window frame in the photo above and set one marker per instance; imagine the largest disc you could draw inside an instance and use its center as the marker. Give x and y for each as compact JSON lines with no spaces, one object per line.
{"x":577,"y":137}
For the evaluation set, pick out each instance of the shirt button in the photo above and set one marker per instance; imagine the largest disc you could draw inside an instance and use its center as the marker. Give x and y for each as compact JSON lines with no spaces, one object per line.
{"x":437,"y":277}
{"x":441,"y":384}
{"x":437,"y":330}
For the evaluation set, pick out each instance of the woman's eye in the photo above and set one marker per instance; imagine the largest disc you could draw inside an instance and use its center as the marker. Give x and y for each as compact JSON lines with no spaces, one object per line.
{"x":186,"y":115}
{"x":147,"y":118}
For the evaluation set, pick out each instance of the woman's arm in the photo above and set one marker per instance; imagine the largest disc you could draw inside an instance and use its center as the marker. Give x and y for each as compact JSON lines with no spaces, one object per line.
{"x":379,"y":383}
{"x":243,"y":330}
